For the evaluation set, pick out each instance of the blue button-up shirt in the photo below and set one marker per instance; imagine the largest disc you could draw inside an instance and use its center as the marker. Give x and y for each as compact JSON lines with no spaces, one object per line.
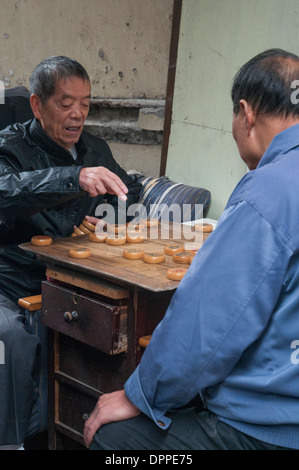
{"x":231,"y":331}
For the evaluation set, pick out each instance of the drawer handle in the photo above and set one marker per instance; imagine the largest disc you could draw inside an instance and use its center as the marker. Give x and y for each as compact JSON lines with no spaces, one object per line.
{"x":70,"y":316}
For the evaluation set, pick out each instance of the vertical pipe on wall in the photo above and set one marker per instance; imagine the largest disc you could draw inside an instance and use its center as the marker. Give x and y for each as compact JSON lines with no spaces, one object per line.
{"x":176,"y":19}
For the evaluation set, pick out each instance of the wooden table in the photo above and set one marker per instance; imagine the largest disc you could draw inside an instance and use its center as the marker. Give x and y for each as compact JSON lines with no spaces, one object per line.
{"x":96,"y":310}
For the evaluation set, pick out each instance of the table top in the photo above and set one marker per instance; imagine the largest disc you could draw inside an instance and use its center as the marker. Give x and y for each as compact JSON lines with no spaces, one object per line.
{"x":107,"y":261}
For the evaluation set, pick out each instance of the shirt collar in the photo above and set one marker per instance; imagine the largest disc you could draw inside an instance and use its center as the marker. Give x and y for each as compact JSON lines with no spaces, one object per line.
{"x":280,"y":145}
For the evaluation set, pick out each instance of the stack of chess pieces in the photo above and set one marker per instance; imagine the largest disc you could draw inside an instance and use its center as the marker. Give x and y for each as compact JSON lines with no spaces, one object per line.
{"x":85,"y":228}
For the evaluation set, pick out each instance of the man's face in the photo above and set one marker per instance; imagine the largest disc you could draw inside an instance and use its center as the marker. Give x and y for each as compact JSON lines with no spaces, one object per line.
{"x":62,"y":116}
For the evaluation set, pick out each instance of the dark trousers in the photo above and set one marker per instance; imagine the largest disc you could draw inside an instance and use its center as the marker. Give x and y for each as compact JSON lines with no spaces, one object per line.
{"x":191,"y":429}
{"x":18,"y":352}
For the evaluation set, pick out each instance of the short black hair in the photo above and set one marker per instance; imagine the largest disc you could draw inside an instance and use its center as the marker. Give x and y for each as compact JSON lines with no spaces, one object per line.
{"x":45,"y":75}
{"x":265,"y":83}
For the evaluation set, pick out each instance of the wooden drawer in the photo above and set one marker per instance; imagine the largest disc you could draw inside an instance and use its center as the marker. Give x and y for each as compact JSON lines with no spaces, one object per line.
{"x":89,"y":320}
{"x":89,"y":366}
{"x":74,"y":406}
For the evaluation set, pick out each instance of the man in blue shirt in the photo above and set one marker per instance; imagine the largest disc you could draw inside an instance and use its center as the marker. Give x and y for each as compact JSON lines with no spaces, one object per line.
{"x":231,"y":332}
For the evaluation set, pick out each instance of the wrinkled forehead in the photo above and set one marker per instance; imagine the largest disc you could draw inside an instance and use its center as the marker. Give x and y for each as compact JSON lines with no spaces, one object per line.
{"x":73,"y":87}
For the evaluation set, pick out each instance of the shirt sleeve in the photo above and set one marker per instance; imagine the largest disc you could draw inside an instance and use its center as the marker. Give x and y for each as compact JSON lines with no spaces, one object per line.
{"x":220,"y":307}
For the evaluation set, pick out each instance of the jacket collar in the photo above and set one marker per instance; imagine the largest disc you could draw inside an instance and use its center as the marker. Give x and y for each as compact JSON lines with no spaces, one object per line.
{"x":50,"y":146}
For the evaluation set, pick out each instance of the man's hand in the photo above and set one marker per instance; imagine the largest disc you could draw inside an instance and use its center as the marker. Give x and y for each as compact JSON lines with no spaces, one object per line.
{"x":110,"y":407}
{"x":100,"y":180}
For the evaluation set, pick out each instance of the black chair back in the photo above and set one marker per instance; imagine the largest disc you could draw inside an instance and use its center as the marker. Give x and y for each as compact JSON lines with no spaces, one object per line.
{"x":16,"y":107}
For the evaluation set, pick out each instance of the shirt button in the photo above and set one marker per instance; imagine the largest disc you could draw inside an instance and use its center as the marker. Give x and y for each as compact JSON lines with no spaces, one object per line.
{"x":161,"y":423}
{"x":69,"y":185}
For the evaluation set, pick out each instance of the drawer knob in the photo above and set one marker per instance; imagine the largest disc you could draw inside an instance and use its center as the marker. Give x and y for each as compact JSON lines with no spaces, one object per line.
{"x":70,"y":316}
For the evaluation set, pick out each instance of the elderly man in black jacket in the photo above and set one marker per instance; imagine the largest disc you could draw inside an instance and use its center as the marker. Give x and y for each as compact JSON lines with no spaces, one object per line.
{"x":52,"y":175}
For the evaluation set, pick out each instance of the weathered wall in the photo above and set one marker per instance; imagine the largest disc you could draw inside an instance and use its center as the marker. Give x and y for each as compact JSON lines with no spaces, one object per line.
{"x":216,"y":38}
{"x":123,"y":44}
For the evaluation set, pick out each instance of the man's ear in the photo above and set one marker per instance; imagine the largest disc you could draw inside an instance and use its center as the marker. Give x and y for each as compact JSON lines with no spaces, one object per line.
{"x":248,"y":114}
{"x":35,"y":104}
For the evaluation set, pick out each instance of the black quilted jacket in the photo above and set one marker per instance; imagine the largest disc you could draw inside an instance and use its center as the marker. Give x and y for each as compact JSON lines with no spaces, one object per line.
{"x":40,"y":194}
